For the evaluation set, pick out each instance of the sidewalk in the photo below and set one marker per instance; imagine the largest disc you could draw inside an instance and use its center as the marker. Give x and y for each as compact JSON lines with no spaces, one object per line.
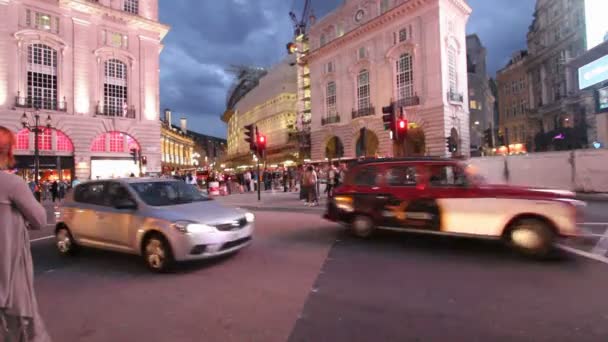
{"x":276,"y":201}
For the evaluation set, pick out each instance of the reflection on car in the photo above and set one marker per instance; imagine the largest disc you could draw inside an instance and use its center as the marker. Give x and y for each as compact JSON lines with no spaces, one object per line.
{"x":162,"y":220}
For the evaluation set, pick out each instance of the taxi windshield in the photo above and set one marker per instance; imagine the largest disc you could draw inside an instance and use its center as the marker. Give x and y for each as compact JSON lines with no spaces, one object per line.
{"x":161,"y":194}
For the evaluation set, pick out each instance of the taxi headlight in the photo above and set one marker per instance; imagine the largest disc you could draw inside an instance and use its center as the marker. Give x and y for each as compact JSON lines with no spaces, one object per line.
{"x":250,"y":217}
{"x":188,"y":227}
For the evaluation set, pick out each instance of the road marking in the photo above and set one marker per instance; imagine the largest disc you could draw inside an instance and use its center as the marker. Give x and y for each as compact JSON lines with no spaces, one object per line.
{"x":43,"y":238}
{"x":593,"y":224}
{"x":589,"y":255}
{"x":602,"y":246}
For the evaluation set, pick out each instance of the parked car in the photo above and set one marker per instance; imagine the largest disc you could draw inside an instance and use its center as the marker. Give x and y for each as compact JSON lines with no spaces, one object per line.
{"x":442,"y":196}
{"x":162,"y":220}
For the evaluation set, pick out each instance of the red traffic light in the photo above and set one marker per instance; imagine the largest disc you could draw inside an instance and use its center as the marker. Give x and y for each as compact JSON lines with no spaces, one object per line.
{"x":262,"y":139}
{"x":402,"y":124}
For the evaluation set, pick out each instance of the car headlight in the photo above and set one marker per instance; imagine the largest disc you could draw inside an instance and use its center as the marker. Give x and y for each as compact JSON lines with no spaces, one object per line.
{"x":188,"y":227}
{"x":250,"y":217}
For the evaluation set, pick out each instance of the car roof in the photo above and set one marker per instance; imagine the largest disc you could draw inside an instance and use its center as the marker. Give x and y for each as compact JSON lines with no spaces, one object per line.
{"x":134,"y":180}
{"x":406,"y":159}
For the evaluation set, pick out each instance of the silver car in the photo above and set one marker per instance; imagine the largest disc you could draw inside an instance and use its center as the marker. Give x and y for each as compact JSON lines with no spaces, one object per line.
{"x":162,"y":220}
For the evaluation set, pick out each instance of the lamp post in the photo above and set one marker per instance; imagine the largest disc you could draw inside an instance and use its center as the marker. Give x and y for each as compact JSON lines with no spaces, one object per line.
{"x":35,"y":128}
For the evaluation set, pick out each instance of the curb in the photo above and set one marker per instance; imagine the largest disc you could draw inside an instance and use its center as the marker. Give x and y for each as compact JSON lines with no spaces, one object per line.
{"x":594,"y":197}
{"x":316,"y":211}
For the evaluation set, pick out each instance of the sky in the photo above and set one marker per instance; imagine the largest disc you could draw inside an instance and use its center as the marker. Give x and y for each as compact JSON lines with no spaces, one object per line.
{"x":208,"y":36}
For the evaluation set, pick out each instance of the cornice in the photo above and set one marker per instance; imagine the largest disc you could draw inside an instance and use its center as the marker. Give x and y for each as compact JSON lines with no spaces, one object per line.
{"x":391,"y":16}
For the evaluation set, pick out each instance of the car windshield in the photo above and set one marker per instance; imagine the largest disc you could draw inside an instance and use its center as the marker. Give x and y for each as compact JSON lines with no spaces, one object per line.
{"x":161,"y":194}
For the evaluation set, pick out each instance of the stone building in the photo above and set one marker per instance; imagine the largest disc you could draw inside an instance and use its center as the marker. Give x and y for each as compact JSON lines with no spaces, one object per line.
{"x":177,"y":145}
{"x":93,"y":67}
{"x":481,"y":100}
{"x":368,"y":54}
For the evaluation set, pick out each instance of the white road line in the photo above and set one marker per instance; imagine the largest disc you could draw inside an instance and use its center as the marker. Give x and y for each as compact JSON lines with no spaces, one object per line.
{"x":602,"y":246}
{"x":43,"y":238}
{"x":589,"y":255}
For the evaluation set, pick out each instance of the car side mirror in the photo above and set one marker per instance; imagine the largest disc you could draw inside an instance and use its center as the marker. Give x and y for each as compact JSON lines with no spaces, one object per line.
{"x":125,"y":204}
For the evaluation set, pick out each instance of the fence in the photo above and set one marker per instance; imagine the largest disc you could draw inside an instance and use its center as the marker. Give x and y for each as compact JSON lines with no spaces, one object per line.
{"x":581,"y":170}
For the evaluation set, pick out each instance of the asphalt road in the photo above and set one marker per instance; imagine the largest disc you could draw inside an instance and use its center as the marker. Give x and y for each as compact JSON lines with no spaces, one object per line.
{"x":304,"y":279}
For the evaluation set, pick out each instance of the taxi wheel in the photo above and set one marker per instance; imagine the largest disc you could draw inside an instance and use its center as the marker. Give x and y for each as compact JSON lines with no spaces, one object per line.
{"x":532,"y":236}
{"x":362,"y":226}
{"x":157,"y":254}
{"x":64,"y":241}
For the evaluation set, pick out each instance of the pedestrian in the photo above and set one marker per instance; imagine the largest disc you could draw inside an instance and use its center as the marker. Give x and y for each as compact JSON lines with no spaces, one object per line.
{"x":20,"y":319}
{"x":55,"y":191}
{"x":331,"y":180}
{"x":311,"y":181}
{"x":75,"y":182}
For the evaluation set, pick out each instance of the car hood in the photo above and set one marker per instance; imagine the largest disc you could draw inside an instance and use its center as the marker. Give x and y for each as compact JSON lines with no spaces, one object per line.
{"x":500,"y":190}
{"x":208,"y":212}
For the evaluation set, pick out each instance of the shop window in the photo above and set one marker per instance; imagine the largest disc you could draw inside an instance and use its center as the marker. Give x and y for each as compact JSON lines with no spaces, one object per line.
{"x":117,"y":142}
{"x":45,"y":139}
{"x":23,"y":140}
{"x":64,"y":144}
{"x":99,"y":144}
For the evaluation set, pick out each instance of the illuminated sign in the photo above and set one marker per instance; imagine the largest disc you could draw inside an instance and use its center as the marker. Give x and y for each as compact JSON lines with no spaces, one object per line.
{"x":593,"y":73}
{"x":596,"y":23}
{"x":602,"y":100}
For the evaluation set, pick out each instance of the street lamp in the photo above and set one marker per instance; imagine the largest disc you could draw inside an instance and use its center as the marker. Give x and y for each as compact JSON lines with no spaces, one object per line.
{"x":35,"y":128}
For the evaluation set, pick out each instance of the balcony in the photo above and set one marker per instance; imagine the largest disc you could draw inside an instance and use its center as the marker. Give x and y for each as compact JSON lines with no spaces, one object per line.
{"x":408,"y":101}
{"x":40,"y":103}
{"x":455,"y":96}
{"x":361,"y":112}
{"x":332,"y":119}
{"x":116,"y":112}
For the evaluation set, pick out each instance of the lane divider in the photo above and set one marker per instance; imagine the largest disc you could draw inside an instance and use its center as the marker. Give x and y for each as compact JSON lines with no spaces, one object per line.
{"x":43,"y":238}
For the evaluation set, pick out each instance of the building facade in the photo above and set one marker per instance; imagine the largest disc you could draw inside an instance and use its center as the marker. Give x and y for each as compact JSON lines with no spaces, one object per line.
{"x":481,"y":99}
{"x":517,"y":128}
{"x":177,"y":146}
{"x":93,"y":67}
{"x":368,"y":54}
{"x":208,"y":151}
{"x":271,"y":106}
{"x":556,"y":36}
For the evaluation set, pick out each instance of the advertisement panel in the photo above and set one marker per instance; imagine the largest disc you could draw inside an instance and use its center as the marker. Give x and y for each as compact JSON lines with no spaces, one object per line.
{"x":602,"y":100}
{"x":593,"y":73}
{"x":595,"y":22}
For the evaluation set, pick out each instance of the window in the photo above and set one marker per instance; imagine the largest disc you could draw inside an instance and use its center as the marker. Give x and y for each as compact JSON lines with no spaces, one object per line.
{"x":99,"y":144}
{"x":323,"y":39}
{"x":362,"y":53}
{"x":447,"y":176}
{"x":42,"y":77}
{"x":452,"y":75}
{"x":91,"y":193}
{"x":405,"y":77}
{"x":401,"y":176}
{"x":117,"y":142}
{"x":329,"y":67}
{"x":363,"y":90}
{"x":340,"y":30}
{"x":23,"y":140}
{"x":367,"y":176}
{"x":115,"y":88}
{"x":402,"y":35}
{"x":64,"y":144}
{"x":132,"y":6}
{"x":45,"y":139}
{"x":384,"y":6}
{"x":330,"y":99}
{"x":116,"y":193}
{"x":473,"y":104}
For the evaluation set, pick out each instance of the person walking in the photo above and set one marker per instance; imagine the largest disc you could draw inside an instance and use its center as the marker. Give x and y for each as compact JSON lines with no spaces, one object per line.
{"x":311,"y":181}
{"x":20,"y":319}
{"x":55,"y":191}
{"x":331,"y":180}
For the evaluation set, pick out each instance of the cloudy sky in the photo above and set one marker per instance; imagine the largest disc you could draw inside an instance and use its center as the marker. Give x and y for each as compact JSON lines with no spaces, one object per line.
{"x":207,"y":36}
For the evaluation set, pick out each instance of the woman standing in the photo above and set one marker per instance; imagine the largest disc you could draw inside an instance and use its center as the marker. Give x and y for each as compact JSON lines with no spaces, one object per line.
{"x":19,"y":317}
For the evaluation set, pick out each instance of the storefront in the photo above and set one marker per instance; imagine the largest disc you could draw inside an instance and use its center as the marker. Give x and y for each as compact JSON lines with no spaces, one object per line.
{"x":107,"y":168}
{"x":51,"y":167}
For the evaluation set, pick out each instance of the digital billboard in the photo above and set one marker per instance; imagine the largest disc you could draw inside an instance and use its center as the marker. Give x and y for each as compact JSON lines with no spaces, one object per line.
{"x":595,"y":22}
{"x":593,"y":73}
{"x":602,"y":100}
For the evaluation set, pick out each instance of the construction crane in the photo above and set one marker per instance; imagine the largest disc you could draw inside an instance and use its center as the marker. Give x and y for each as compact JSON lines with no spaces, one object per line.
{"x":300,"y":25}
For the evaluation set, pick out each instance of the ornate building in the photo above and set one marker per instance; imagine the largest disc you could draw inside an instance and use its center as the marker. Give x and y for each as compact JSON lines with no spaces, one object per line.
{"x":369,"y":54}
{"x":93,"y":66}
{"x":177,"y":146}
{"x":271,"y":106}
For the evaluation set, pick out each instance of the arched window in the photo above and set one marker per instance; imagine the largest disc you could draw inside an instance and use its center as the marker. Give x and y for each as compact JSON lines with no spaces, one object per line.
{"x":46,"y":139}
{"x":41,"y":77}
{"x":405,"y":77}
{"x":114,"y":142}
{"x":23,"y":140}
{"x":64,"y":144}
{"x":363,"y":91}
{"x":132,"y":6}
{"x":115,"y":88}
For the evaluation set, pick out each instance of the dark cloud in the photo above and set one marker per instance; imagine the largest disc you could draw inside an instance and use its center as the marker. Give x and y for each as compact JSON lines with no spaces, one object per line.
{"x":207,"y":36}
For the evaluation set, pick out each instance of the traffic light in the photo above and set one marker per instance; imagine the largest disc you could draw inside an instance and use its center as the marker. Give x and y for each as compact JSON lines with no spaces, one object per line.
{"x":135,"y":155}
{"x":388,"y":117}
{"x":144,"y":160}
{"x":487,"y":137}
{"x":451,"y":144}
{"x":402,"y":126}
{"x":250,"y":137}
{"x":261,"y":143}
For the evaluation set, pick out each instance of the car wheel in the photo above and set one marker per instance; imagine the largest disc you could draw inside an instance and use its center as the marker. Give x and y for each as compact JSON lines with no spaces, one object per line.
{"x":362,"y":226}
{"x":157,"y":254}
{"x":532,"y":237}
{"x":64,"y":241}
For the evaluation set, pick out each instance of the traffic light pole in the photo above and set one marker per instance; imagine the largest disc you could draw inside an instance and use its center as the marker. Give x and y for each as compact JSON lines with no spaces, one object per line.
{"x":259,"y":181}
